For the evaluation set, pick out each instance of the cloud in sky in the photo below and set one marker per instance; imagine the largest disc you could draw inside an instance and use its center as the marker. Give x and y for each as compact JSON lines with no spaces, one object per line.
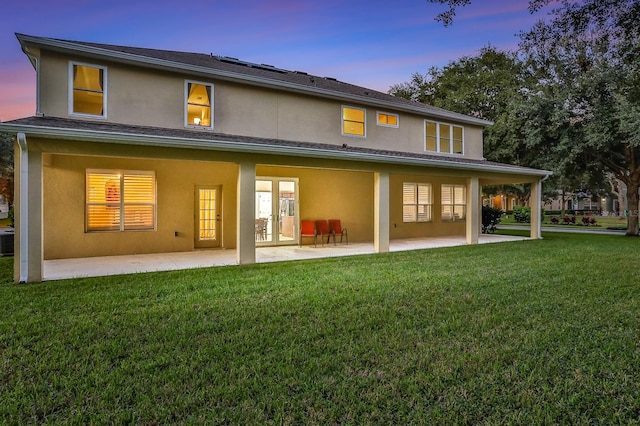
{"x":373,"y":43}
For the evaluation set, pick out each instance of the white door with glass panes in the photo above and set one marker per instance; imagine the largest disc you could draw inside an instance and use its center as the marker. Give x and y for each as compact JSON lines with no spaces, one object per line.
{"x":208,"y":216}
{"x":276,"y":218}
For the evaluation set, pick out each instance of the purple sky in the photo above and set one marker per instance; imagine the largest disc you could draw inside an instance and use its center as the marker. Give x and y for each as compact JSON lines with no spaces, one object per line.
{"x":371,"y":43}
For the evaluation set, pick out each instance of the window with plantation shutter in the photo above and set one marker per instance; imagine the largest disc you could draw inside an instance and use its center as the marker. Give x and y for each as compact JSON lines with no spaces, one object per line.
{"x":454,"y":202}
{"x":118,"y":200}
{"x":417,"y":201}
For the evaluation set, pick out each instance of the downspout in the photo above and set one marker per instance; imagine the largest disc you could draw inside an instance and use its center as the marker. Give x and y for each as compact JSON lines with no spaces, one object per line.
{"x":24,"y":207}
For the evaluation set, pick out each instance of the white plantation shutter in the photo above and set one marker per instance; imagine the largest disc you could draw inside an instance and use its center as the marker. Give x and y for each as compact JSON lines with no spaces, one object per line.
{"x":139,"y":201}
{"x":424,"y":203}
{"x":453,"y":202}
{"x":459,"y":201}
{"x":114,"y":195}
{"x":103,"y":201}
{"x":416,"y":202}
{"x":409,"y":202}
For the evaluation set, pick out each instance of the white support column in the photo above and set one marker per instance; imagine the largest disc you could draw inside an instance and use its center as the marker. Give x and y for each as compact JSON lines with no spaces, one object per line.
{"x":35,"y":249}
{"x":381,"y":213}
{"x":473,"y":210}
{"x":535,"y":203}
{"x":246,"y":222}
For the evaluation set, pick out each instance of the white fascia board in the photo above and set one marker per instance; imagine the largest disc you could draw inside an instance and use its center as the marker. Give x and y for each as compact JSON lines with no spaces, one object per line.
{"x":129,"y":58}
{"x":248,"y":147}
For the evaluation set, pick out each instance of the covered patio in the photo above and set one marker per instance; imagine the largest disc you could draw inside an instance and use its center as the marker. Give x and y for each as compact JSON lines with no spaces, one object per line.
{"x":130,"y":264}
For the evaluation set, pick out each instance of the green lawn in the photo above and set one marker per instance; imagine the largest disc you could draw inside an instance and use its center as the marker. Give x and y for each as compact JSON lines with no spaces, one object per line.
{"x":531,"y":332}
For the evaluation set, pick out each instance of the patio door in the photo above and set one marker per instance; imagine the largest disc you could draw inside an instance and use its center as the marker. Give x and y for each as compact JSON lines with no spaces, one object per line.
{"x":208,"y":219}
{"x":276,"y":211}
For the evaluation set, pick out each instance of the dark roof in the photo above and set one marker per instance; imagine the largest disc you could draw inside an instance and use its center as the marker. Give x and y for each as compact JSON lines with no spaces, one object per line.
{"x":203,"y":139}
{"x":231,"y":68}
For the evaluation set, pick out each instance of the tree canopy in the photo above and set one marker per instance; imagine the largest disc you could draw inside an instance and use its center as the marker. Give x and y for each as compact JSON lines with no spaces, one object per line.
{"x":447,"y":16}
{"x":6,"y":167}
{"x":584,"y":109}
{"x":568,"y":100}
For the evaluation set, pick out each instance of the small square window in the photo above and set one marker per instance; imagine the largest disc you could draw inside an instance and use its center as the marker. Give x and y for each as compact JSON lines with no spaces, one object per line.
{"x":386,"y":119}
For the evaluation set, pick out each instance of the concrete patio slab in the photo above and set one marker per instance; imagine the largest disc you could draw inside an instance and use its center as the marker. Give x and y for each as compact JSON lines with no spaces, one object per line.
{"x":130,"y":264}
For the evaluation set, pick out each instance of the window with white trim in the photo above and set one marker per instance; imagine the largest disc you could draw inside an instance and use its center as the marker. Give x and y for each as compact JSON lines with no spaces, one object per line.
{"x":88,"y":93}
{"x":354,"y":121}
{"x":120,"y":200}
{"x":198,"y":110}
{"x":386,"y":119}
{"x":454,"y":202}
{"x":417,"y":202}
{"x":443,"y":137}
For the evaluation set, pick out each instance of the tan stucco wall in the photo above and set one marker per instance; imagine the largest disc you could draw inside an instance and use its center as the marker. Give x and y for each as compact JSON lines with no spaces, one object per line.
{"x":64,"y":210}
{"x":333,"y":194}
{"x":156,"y":98}
{"x":436,"y":228}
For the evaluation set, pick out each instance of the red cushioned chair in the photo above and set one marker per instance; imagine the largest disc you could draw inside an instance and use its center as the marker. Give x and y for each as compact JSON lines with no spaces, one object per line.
{"x":335,"y":227}
{"x":322,"y":229}
{"x":308,"y":229}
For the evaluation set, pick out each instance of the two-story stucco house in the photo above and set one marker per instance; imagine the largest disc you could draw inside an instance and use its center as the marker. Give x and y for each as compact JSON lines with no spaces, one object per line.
{"x":134,"y":150}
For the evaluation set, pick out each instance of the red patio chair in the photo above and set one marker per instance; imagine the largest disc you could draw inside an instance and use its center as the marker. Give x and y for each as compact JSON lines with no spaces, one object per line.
{"x":308,"y":229}
{"x":322,"y":229}
{"x":335,"y":227}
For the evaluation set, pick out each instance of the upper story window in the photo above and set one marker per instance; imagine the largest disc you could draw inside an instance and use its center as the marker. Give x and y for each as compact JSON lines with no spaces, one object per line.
{"x":354,"y":121}
{"x":198,"y":104}
{"x":442,"y":137}
{"x":120,"y":200}
{"x":88,"y":94}
{"x":417,"y":202}
{"x":387,"y":120}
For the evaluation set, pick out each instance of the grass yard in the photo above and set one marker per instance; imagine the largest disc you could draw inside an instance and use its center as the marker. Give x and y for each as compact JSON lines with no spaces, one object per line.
{"x":531,"y":332}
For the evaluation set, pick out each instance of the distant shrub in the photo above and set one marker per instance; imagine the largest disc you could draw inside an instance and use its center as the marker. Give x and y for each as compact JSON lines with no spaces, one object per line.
{"x":490,"y":218}
{"x":555,"y":220}
{"x":522,"y":214}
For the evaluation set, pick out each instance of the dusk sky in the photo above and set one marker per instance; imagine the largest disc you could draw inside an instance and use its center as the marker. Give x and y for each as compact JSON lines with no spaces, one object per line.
{"x":370,"y":43}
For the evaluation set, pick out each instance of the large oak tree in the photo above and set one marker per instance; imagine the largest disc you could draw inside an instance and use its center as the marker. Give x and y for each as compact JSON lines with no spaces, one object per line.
{"x":581,"y":104}
{"x":585,"y":107}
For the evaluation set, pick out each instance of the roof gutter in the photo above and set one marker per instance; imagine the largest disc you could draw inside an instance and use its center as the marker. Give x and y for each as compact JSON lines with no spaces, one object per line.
{"x":130,"y":58}
{"x":248,"y":147}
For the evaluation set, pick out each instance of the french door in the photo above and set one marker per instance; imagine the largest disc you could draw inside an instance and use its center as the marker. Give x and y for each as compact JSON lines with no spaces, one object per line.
{"x":208,"y":216}
{"x":277,"y":208}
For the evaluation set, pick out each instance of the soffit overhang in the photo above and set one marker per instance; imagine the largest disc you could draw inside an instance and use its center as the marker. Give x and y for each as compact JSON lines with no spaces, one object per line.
{"x":199,"y":140}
